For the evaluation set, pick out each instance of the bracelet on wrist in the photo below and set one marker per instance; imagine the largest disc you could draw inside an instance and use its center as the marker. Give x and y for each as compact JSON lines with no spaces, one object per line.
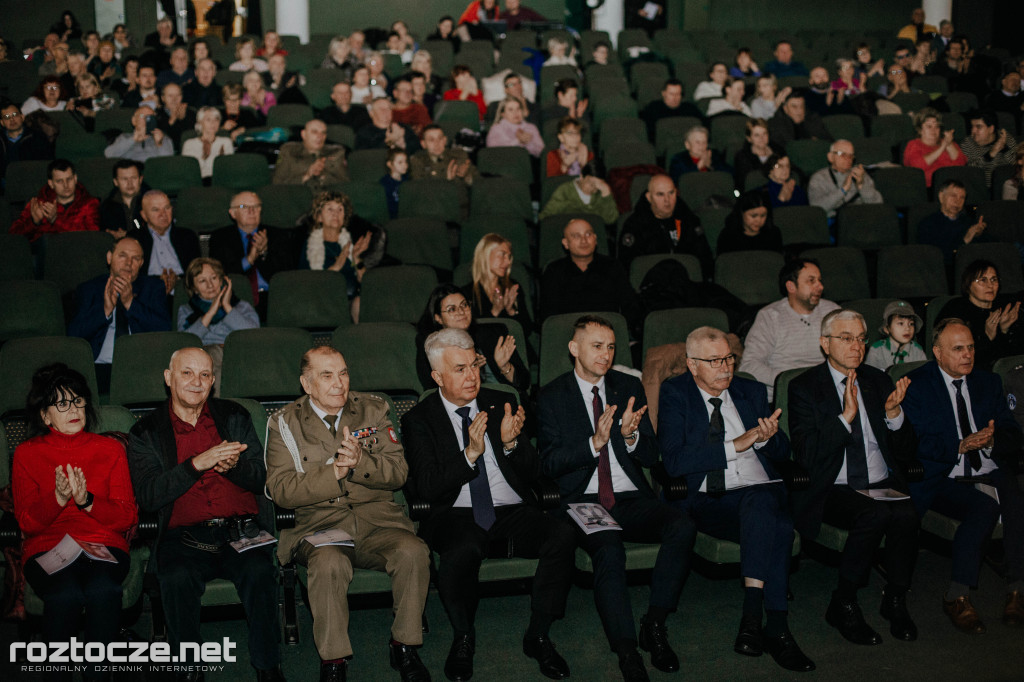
{"x":88,"y":501}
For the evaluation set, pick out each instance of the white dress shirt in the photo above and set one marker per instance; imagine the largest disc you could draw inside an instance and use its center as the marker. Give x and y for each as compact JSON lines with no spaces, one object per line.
{"x":620,"y":481}
{"x":163,"y":255}
{"x":878,"y":470}
{"x":987,"y":464}
{"x":741,"y":468}
{"x":501,"y":492}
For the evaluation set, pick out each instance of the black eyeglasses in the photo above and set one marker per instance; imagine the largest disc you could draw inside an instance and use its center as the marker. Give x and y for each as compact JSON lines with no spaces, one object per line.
{"x":717,"y":363}
{"x":65,"y":405}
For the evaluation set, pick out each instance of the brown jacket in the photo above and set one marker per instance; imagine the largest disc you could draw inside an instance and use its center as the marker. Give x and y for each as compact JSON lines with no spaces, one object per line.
{"x":301,"y":477}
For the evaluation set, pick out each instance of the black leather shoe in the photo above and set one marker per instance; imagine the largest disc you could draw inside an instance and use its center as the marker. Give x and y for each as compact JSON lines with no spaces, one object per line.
{"x":459,"y":665}
{"x":407,"y":662}
{"x":632,"y":667}
{"x":848,"y":619}
{"x":894,"y":610}
{"x":274,"y":674}
{"x":333,"y":672}
{"x":783,"y":648}
{"x":654,"y":640}
{"x":541,"y":649}
{"x":749,"y":640}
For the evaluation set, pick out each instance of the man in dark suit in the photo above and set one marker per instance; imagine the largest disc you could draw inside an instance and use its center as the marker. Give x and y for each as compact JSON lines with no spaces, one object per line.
{"x":252,"y":249}
{"x":121,"y":302}
{"x":466,"y":458}
{"x":717,"y":431}
{"x":597,"y":455}
{"x":849,"y":432}
{"x":167,"y":250}
{"x":965,"y":429}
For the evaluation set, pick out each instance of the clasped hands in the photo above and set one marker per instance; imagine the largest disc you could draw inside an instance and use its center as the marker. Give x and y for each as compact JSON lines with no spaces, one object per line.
{"x":630,"y":424}
{"x":70,"y":486}
{"x":511,"y":427}
{"x":221,"y":457}
{"x":117,"y":287}
{"x":348,"y":455}
{"x":979,"y":440}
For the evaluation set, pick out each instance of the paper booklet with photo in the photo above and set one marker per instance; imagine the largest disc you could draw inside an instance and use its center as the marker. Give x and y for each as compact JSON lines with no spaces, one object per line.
{"x":69,"y":549}
{"x":334,"y":536}
{"x":264,"y":538}
{"x":592,"y":517}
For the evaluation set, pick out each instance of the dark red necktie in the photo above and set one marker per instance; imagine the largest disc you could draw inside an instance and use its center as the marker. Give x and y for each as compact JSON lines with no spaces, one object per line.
{"x":605,"y":491}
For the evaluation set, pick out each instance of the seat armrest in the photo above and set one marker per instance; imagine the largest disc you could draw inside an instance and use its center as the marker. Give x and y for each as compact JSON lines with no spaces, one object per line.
{"x":547,"y":493}
{"x":793,"y":474}
{"x":283,"y":518}
{"x":914,"y":471}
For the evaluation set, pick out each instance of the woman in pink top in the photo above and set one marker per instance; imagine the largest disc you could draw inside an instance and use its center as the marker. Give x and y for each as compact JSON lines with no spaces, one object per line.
{"x":933,"y":149}
{"x":256,"y":95}
{"x":510,"y":130}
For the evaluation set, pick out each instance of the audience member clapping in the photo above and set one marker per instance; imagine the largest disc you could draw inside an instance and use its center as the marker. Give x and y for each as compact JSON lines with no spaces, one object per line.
{"x":208,"y":145}
{"x":994,"y":317}
{"x":698,"y":157}
{"x":572,"y":155}
{"x":511,"y":130}
{"x":731,"y":101}
{"x":465,"y":88}
{"x":245,"y":57}
{"x":768,"y":97}
{"x":934,"y":147}
{"x":782,"y":187}
{"x":494,"y":292}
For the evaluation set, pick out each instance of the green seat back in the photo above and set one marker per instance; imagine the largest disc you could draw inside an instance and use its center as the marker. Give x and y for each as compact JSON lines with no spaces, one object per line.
{"x":171,"y":174}
{"x":419,"y":241}
{"x":750,"y":275}
{"x":432,"y":198}
{"x":263,"y":363}
{"x":500,"y":196}
{"x":902,"y":186}
{"x":911,"y":271}
{"x":30,"y":308}
{"x":308,"y":299}
{"x":641,"y":265}
{"x":15,"y":258}
{"x":241,"y":172}
{"x":70,"y":258}
{"x":203,"y":209}
{"x":673,"y":326}
{"x":136,"y":375}
{"x":20,"y":358}
{"x":368,"y":198}
{"x":802,"y":224}
{"x":381,"y":356}
{"x":507,"y":162}
{"x":697,"y":188}
{"x":512,"y":229}
{"x":868,"y":226}
{"x":396,"y":294}
{"x":781,"y":395}
{"x":556,"y":333}
{"x":843,"y":270}
{"x":284,"y":205}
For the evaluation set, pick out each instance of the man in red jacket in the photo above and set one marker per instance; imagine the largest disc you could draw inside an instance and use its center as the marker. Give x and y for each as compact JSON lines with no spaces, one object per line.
{"x":61,"y":206}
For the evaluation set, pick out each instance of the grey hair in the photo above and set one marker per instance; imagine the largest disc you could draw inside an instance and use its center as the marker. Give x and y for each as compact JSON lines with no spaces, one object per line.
{"x":203,"y":113}
{"x":701,"y":335}
{"x":436,"y":343}
{"x":697,"y":129}
{"x":840,"y":314}
{"x":832,"y":147}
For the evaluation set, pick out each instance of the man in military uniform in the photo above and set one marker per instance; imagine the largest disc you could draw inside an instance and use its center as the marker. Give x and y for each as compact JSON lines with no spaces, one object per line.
{"x":334,"y":457}
{"x":437,"y":161}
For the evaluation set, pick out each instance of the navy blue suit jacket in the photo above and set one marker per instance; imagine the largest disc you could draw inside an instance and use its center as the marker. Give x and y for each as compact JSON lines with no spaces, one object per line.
{"x":933,"y":415}
{"x":184,"y":241}
{"x":565,"y":431}
{"x":148,"y":312}
{"x":683,"y":424}
{"x":820,"y":440}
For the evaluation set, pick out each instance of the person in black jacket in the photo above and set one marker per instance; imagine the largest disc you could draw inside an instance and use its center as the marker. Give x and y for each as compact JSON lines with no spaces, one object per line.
{"x":252,"y":249}
{"x":18,"y":143}
{"x":448,"y":308}
{"x":661,"y":222}
{"x":749,"y":227}
{"x":158,"y":234}
{"x":121,"y":211}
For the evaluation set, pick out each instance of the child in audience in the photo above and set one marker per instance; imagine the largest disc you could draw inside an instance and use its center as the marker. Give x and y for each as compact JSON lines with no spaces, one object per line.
{"x":899,"y":323}
{"x":398,"y":168}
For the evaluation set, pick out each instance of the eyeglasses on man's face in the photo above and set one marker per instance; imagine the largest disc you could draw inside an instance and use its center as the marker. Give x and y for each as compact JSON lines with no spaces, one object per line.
{"x":848,"y":339}
{"x":718,"y":363}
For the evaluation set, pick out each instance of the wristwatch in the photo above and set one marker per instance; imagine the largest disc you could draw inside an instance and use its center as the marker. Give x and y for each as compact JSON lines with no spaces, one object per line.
{"x":88,"y":501}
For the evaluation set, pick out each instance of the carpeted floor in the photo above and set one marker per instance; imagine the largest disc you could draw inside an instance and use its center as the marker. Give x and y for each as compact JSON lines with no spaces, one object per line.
{"x":702,"y":633}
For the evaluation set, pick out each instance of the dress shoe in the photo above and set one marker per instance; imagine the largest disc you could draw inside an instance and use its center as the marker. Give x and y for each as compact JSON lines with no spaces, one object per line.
{"x":894,"y":610}
{"x":407,"y":662}
{"x":459,"y":665}
{"x":963,"y":615}
{"x":540,"y":648}
{"x":848,"y":619}
{"x":786,"y":652}
{"x":654,"y":640}
{"x":632,"y":667}
{"x":274,"y":674}
{"x":1013,"y":614}
{"x":333,"y":672}
{"x":749,"y":641}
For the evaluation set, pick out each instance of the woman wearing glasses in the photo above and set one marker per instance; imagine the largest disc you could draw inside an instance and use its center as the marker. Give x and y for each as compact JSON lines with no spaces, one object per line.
{"x":69,"y":481}
{"x":49,"y":96}
{"x":495,"y":348}
{"x":993,"y":318}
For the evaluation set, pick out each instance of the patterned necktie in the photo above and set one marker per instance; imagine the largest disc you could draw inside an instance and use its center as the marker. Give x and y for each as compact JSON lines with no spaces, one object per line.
{"x":856,"y":458}
{"x":972,"y":458}
{"x":716,"y":434}
{"x":605,"y":490}
{"x":331,"y":421}
{"x":479,"y":487}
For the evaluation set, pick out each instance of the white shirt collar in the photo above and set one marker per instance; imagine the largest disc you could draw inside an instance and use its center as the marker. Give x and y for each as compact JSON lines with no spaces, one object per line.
{"x":587,"y":388}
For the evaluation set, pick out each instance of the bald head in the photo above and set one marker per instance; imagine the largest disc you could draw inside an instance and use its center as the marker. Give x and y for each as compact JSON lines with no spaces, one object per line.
{"x":190,"y":378}
{"x":156,"y":211}
{"x":662,"y":195}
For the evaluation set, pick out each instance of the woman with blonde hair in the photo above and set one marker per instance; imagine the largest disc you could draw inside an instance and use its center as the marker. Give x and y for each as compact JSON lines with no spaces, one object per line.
{"x":245,"y":54}
{"x":256,"y":94}
{"x":510,"y":129}
{"x":494,"y":293}
{"x":208,"y":145}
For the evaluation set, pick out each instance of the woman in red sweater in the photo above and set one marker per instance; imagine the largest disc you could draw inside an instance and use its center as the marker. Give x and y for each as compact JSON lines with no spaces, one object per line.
{"x":68,"y":481}
{"x":465,"y":88}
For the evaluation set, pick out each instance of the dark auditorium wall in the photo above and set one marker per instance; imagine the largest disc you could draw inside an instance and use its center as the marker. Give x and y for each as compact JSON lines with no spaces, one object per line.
{"x":797,"y":14}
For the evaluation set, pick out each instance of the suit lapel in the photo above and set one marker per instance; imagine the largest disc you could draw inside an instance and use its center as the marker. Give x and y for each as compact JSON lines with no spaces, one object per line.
{"x":442,"y":421}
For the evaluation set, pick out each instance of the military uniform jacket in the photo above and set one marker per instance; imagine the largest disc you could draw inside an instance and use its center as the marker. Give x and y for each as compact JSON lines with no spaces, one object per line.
{"x":300,"y":471}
